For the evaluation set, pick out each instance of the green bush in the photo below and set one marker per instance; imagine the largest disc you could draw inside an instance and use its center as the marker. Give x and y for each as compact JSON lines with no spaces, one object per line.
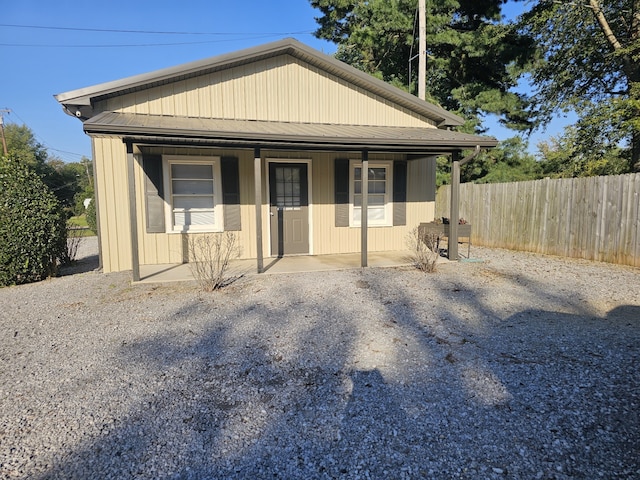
{"x":91,"y":216}
{"x":33,"y":232}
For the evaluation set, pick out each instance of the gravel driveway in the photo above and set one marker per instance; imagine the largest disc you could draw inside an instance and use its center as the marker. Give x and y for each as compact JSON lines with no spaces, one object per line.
{"x":522,"y":366}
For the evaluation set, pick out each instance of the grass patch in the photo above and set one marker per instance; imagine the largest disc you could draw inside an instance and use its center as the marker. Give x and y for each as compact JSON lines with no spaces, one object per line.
{"x":79,"y":221}
{"x":80,"y":227}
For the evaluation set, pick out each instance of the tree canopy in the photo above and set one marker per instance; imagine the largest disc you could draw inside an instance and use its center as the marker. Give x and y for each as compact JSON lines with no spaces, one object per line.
{"x":589,"y":61}
{"x":576,"y":56}
{"x":473,"y":58}
{"x":564,"y":156}
{"x":65,"y":180}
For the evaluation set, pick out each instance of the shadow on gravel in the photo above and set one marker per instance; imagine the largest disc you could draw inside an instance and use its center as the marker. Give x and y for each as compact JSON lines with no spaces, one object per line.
{"x":87,"y":259}
{"x":434,"y":386}
{"x":216,"y":413}
{"x":84,"y":265}
{"x":534,"y":395}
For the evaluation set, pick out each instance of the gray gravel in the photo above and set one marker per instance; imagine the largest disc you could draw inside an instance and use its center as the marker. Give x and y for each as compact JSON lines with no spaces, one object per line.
{"x":522,"y":366}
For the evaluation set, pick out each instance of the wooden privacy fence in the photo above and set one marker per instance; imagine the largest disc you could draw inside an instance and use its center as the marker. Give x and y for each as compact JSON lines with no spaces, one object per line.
{"x":595,"y":218}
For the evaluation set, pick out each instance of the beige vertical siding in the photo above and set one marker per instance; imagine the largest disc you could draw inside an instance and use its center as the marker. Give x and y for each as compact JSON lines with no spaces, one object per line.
{"x":327,"y":238}
{"x":160,"y":248}
{"x":166,"y":248}
{"x":111,"y":178}
{"x":281,"y":89}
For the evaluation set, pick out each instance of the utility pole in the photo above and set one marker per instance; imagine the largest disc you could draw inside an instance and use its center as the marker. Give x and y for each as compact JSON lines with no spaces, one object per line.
{"x":85,"y":161}
{"x":422,"y":49}
{"x":4,"y":140}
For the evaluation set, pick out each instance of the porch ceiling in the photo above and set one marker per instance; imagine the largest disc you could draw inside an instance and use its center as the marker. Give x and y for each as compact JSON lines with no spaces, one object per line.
{"x":246,"y":133}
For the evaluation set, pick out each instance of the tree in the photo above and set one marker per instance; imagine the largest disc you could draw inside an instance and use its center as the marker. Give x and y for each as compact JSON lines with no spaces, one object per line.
{"x":23,"y":147}
{"x":474,"y":60}
{"x":508,"y":162}
{"x":589,"y":61}
{"x":62,"y":178}
{"x":65,"y":180}
{"x":563,"y":156}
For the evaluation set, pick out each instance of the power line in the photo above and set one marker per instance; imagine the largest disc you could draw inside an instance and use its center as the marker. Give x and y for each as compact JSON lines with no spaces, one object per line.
{"x":152,"y":32}
{"x":64,"y":151}
{"x":132,"y":45}
{"x":128,"y":45}
{"x":44,"y":143}
{"x":242,"y":35}
{"x":230,"y":37}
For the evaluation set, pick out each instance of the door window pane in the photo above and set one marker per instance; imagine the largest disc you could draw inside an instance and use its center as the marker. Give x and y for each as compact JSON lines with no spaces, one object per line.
{"x":288,"y":191}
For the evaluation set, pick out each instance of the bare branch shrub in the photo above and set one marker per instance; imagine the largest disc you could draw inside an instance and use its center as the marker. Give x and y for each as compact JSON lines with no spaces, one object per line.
{"x":424,"y":250}
{"x":74,"y":238}
{"x":209,"y":257}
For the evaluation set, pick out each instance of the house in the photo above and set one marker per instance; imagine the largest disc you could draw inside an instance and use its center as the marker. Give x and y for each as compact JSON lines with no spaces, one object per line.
{"x":269,"y":142}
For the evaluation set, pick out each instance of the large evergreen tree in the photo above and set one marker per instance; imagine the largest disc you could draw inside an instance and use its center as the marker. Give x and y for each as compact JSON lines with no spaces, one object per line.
{"x":474,"y":59}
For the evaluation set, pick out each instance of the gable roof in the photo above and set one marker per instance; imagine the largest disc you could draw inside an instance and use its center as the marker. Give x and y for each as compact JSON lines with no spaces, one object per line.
{"x":85,"y":97}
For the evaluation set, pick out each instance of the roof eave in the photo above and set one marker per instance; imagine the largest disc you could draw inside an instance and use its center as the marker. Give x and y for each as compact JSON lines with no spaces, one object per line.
{"x":289,"y":140}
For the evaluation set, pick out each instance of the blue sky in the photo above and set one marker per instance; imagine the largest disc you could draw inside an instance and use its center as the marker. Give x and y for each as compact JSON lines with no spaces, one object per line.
{"x":39,"y":62}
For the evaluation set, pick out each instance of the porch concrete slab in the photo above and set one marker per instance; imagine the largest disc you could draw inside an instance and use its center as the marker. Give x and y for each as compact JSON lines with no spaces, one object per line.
{"x":293,"y":264}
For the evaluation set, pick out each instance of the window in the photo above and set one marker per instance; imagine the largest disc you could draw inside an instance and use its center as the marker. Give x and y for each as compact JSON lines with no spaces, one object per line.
{"x":288,"y":191}
{"x":379,"y":194}
{"x":195,"y":194}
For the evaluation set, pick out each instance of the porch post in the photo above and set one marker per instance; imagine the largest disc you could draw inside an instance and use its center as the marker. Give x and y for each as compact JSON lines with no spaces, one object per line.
{"x":257,"y":176}
{"x":133,"y":214}
{"x":455,"y":199}
{"x":454,"y":214}
{"x":364,"y":214}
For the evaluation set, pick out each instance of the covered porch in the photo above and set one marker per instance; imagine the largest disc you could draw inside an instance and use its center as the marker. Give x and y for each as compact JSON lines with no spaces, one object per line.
{"x":412,"y":143}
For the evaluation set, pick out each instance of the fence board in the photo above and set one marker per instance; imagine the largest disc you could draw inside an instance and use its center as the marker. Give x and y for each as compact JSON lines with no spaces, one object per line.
{"x":596,"y":218}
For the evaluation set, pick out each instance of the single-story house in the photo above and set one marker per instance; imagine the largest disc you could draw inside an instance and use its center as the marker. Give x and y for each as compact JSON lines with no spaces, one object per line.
{"x":270,"y":142}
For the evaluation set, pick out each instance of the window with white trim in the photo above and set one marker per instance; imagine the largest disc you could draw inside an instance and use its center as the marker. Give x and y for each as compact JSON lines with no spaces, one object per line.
{"x":379,"y":206}
{"x":195,"y":194}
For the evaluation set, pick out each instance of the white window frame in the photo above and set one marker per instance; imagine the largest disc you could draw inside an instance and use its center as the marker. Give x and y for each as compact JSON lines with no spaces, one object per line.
{"x":218,"y":225}
{"x":387,"y":221}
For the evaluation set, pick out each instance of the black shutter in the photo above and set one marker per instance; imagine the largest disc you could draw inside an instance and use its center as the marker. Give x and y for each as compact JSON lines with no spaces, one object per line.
{"x":153,"y":193}
{"x":341,"y":182}
{"x":229,"y":167}
{"x":399,"y":192}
